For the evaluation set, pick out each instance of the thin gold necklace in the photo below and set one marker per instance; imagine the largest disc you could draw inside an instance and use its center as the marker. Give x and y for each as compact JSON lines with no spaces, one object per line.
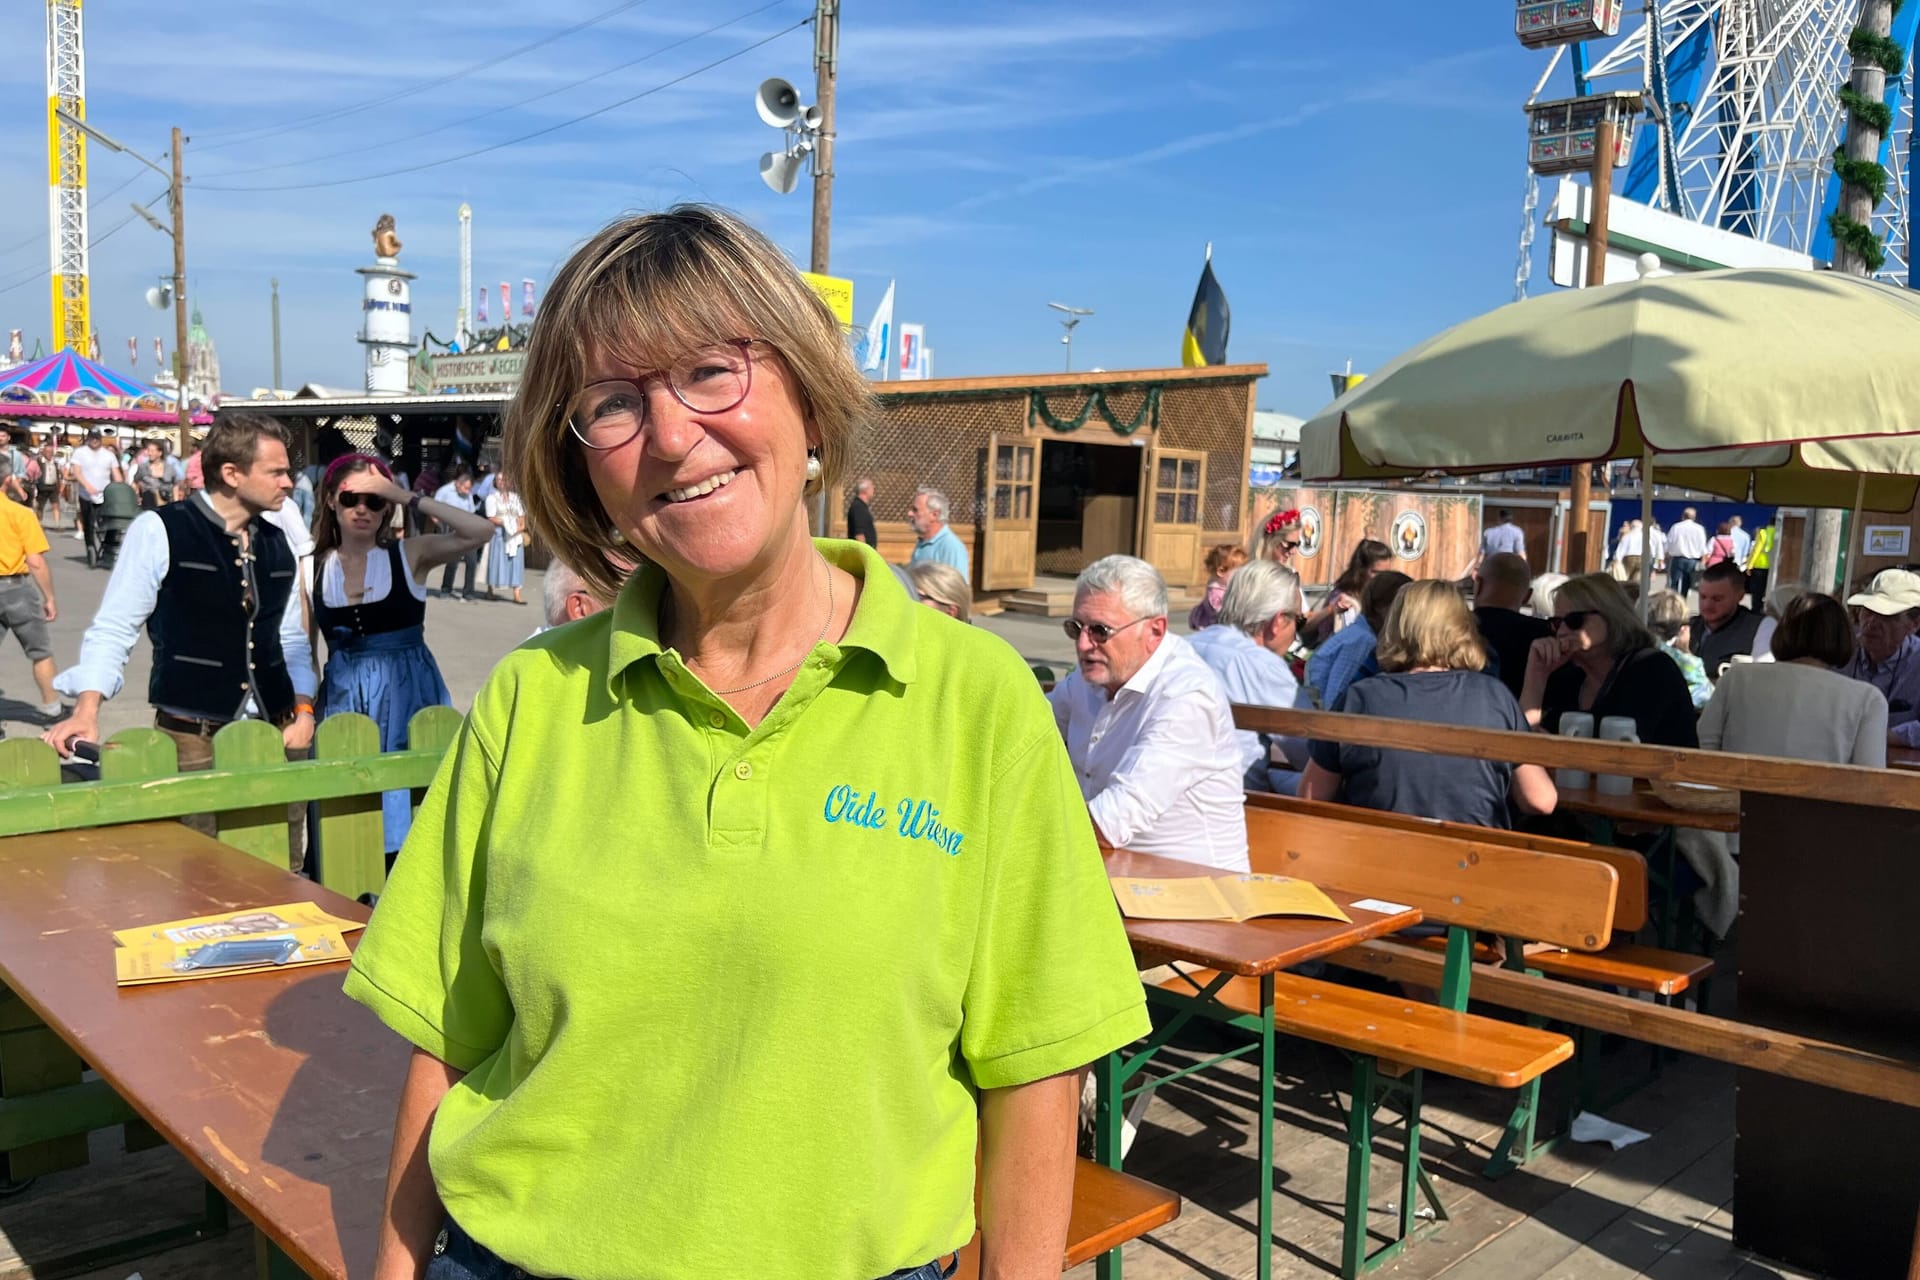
{"x":825,"y":626}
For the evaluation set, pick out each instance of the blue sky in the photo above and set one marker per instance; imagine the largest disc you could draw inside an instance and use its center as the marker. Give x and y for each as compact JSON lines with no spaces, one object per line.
{"x":1358,"y":169}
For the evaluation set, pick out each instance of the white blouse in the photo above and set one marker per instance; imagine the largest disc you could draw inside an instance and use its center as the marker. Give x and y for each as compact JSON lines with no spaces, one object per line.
{"x":333,"y":579}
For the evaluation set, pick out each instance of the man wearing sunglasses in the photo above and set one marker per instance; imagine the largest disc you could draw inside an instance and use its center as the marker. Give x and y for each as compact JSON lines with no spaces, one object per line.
{"x":1147,"y":725}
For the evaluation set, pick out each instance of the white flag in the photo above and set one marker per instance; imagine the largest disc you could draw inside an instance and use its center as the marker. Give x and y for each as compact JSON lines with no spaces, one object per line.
{"x":879,"y":339}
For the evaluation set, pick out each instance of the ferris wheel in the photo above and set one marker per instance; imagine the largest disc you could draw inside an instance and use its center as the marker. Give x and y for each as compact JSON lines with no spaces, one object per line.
{"x":1742,"y":117}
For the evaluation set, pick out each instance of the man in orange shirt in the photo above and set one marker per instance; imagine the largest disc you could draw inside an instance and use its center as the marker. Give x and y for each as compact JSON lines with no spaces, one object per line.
{"x":26,"y":593}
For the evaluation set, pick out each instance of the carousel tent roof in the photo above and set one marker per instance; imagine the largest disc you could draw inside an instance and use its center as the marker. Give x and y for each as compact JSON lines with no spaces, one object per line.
{"x":67,"y":385}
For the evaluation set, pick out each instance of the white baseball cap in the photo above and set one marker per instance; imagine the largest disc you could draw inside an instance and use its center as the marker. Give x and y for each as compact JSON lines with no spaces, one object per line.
{"x":1893,"y":591}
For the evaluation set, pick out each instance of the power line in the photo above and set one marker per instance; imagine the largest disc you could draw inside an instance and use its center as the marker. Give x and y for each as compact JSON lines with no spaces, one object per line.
{"x":511,"y":106}
{"x":525,"y":137}
{"x":42,"y":274}
{"x":268,"y":131}
{"x":39,"y":275}
{"x":39,"y":237}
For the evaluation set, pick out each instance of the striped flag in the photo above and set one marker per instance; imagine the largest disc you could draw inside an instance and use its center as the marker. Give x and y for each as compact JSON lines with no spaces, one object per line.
{"x":1205,"y":341}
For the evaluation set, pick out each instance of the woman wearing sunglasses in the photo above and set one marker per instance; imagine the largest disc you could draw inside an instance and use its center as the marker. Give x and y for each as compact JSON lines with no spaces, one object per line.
{"x":1600,"y":658}
{"x":370,"y":604}
{"x":719,"y":957}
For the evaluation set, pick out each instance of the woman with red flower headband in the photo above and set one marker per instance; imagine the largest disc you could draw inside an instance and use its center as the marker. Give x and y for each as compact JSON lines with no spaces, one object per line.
{"x":370,"y":605}
{"x":1280,"y":540}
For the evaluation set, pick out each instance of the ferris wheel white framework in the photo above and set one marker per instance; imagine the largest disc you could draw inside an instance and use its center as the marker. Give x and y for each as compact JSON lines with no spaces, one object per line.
{"x":1744,"y":118}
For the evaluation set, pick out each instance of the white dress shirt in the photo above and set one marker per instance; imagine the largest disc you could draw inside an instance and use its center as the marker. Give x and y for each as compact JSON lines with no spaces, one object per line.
{"x":1687,"y":540}
{"x":1158,"y":763}
{"x":131,"y":596}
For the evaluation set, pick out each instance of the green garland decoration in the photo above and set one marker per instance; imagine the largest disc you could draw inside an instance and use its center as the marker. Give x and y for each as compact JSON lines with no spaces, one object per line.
{"x":1097,"y":403}
{"x":1867,"y":175}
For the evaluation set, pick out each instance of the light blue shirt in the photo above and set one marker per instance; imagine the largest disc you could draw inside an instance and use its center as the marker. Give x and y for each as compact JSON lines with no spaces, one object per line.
{"x":131,"y":596}
{"x":1248,"y":672}
{"x":945,"y":547}
{"x":1742,"y":544}
{"x":1504,"y":538}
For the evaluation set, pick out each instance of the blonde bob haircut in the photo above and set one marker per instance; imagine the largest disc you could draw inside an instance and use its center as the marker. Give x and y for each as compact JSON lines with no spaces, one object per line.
{"x":645,"y":291}
{"x":1599,"y":593}
{"x":1431,"y":626}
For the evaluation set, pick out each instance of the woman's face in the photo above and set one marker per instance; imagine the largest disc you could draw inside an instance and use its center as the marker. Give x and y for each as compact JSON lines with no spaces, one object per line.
{"x":1579,"y":631}
{"x":706,"y":495}
{"x":1286,"y":548}
{"x":361,"y":521}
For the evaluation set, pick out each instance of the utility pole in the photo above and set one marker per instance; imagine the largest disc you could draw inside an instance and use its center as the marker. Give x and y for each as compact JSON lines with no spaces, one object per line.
{"x":178,"y":198}
{"x":277,"y":384}
{"x":826,"y":67}
{"x":1580,"y":494}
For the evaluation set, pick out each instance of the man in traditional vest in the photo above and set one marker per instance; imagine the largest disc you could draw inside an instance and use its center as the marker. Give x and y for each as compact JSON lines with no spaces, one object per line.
{"x":216,"y":586}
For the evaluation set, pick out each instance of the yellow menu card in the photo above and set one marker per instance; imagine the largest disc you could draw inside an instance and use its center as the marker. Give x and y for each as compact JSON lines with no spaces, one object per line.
{"x":1234,"y":897}
{"x":243,"y":941}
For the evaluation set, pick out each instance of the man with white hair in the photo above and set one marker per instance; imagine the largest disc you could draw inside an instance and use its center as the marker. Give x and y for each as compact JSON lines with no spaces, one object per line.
{"x":1148,"y":729}
{"x":1246,"y":648}
{"x":936,"y":539}
{"x":566,"y":597}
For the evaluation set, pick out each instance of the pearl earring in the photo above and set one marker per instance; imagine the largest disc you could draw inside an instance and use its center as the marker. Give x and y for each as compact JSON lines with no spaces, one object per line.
{"x":813,"y":465}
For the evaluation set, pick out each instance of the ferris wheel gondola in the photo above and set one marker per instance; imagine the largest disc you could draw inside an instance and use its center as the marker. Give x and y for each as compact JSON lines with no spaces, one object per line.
{"x":1743,"y":118}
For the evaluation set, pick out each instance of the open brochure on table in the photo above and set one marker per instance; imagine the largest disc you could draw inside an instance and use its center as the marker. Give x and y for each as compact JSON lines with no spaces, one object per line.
{"x":1231,"y":897}
{"x":244,"y":941}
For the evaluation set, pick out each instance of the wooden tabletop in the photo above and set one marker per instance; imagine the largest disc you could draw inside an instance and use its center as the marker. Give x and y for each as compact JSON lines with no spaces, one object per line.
{"x":279,"y":1089}
{"x":1253,"y":947}
{"x":1644,"y":806}
{"x":1903,"y":757}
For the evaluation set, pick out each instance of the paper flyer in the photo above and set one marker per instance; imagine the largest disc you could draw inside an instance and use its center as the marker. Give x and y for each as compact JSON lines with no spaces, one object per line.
{"x":245,"y":941}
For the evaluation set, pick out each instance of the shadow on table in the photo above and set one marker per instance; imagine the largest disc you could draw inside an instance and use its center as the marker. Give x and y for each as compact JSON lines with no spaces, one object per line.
{"x":334,"y":1125}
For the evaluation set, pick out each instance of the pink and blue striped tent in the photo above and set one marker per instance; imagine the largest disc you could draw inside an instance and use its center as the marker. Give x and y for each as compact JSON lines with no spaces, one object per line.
{"x":69,"y":387}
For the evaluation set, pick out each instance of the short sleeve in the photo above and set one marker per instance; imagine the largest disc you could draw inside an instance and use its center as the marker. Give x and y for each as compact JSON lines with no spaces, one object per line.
{"x":1053,"y":985}
{"x":422,"y":967}
{"x":1334,"y":756}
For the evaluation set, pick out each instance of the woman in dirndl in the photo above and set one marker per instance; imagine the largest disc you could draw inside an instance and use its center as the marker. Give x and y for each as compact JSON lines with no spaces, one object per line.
{"x":507,"y":561}
{"x":370,"y":604}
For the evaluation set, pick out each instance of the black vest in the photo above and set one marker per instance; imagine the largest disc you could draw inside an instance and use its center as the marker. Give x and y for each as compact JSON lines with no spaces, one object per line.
{"x":1717,"y":648}
{"x":216,"y":625}
{"x":395,"y":611}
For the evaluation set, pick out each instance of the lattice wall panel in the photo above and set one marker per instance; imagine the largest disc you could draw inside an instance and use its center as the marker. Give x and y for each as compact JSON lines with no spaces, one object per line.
{"x":1213,"y":417}
{"x":917,"y":440}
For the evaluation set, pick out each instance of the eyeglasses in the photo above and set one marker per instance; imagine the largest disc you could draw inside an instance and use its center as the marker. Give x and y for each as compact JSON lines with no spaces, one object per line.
{"x":713,"y":379}
{"x":372,"y":501}
{"x":1100,"y":631}
{"x":1569,"y":621}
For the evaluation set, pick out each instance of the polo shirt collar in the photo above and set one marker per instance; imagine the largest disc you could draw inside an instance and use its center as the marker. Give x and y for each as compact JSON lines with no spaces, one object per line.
{"x":884,"y":620}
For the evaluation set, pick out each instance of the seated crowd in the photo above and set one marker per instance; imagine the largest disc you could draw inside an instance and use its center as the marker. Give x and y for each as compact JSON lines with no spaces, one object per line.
{"x":1147,"y":714}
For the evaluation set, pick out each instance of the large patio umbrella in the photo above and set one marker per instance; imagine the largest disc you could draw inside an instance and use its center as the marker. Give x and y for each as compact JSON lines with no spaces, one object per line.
{"x":1780,"y":385}
{"x":68,"y":387}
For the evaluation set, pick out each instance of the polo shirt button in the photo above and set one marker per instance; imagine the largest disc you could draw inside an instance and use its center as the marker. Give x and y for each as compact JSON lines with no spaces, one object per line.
{"x":743,"y":771}
{"x":717,"y":719}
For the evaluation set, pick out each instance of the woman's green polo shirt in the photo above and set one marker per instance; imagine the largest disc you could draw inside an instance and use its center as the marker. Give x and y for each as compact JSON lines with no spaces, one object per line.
{"x":724,"y":996}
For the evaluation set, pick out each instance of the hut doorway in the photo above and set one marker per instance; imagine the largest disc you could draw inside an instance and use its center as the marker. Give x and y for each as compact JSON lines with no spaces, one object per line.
{"x":1089,"y":504}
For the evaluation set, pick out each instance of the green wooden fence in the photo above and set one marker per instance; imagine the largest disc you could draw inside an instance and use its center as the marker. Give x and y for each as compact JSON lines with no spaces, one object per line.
{"x":46,"y":1107}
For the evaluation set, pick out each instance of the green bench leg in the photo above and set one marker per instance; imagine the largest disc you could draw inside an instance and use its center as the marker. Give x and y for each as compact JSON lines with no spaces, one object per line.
{"x":1265,"y":1121}
{"x":1353,"y":1236}
{"x":1109,"y":1112}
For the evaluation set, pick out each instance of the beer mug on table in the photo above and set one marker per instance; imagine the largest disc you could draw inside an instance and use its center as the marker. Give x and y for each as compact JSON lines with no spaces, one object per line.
{"x":1617,"y":729}
{"x":1574,"y":724}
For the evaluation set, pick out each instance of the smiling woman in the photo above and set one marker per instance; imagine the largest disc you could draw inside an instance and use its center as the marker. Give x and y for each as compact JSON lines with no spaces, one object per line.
{"x":700,"y":920}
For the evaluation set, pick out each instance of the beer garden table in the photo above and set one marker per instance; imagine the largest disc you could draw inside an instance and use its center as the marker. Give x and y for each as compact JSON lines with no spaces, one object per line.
{"x":1249,"y":949}
{"x":278,"y":1089}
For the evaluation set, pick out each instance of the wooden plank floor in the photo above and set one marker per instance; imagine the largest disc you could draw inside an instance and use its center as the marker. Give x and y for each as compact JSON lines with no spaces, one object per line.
{"x":1660,"y":1208}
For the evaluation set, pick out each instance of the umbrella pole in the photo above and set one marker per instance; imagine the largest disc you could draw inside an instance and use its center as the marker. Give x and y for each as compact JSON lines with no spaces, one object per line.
{"x":1855,"y":537}
{"x":1646,"y":529}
